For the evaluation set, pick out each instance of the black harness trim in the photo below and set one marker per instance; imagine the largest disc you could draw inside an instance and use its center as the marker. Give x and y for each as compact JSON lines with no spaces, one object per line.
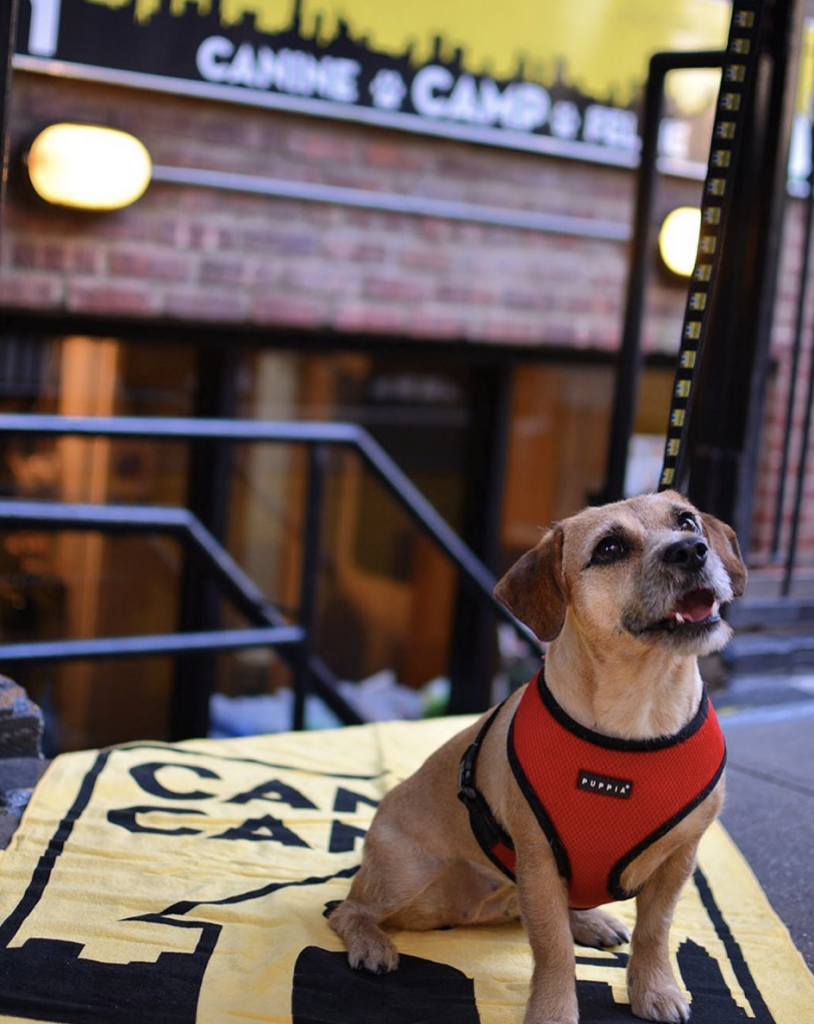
{"x":615,"y":876}
{"x":485,"y":827}
{"x":599,"y":739}
{"x":490,"y":835}
{"x":538,"y":809}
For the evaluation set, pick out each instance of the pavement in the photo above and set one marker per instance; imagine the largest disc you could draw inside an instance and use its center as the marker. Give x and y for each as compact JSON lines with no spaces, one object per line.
{"x":769,"y":806}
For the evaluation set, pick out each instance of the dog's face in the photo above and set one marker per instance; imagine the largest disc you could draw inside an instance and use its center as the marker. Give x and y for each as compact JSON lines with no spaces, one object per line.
{"x":652,"y":570}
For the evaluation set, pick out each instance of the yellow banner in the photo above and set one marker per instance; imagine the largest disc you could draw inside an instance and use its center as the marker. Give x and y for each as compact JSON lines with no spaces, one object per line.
{"x":187,"y":883}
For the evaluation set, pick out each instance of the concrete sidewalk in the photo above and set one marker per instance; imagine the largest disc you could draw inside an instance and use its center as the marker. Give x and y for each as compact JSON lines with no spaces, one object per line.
{"x":769,"y":808}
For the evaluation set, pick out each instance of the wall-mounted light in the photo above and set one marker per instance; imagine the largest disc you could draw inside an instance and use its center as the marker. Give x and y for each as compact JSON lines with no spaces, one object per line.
{"x":678,"y":239}
{"x":88,"y":167}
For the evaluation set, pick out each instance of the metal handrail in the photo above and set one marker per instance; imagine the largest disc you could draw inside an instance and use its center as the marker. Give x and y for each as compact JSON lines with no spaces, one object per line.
{"x":166,"y":428}
{"x":295,"y":642}
{"x":274,"y":631}
{"x":211,"y":641}
{"x":247,"y":597}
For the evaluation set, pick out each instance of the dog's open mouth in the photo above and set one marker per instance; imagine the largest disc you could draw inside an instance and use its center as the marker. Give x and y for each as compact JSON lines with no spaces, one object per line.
{"x":695,"y":611}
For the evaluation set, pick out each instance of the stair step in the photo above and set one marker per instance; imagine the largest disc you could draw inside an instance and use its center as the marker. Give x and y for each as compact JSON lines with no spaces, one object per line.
{"x":770,"y":652}
{"x":771,"y":612}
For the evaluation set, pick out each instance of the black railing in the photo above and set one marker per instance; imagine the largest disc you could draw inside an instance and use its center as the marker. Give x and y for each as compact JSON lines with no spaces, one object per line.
{"x":784,"y":603}
{"x":788,"y":557}
{"x":270,"y":627}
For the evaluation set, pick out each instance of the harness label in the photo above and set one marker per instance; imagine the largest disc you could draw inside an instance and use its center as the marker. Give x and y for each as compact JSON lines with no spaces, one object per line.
{"x":604,"y":784}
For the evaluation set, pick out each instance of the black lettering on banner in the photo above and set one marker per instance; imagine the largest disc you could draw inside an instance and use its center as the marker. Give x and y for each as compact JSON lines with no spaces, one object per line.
{"x":276,"y":792}
{"x":347,"y":801}
{"x":145,"y":776}
{"x":343,"y":837}
{"x":127,"y":818}
{"x":264,"y":830}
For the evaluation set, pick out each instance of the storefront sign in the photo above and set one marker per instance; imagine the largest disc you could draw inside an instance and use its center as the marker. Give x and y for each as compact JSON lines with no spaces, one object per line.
{"x":561,"y":78}
{"x":558,"y":78}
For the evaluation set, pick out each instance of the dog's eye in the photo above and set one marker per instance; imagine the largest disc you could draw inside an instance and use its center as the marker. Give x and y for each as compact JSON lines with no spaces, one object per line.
{"x":687,"y":521}
{"x":609,"y":549}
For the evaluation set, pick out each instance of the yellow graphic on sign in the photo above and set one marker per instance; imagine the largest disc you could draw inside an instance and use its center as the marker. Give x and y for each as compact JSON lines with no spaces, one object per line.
{"x":598,"y":47}
{"x":805,"y":80}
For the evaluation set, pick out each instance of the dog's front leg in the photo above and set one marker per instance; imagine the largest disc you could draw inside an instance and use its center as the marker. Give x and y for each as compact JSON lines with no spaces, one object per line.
{"x":654,"y":994}
{"x":544,"y":910}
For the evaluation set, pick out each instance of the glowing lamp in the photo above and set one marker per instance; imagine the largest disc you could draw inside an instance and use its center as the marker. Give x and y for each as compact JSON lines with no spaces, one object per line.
{"x":88,"y":167}
{"x":678,"y":239}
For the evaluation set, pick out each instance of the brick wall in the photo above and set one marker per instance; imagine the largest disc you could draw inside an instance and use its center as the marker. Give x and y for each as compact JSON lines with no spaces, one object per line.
{"x":777,"y":400}
{"x":191,"y":253}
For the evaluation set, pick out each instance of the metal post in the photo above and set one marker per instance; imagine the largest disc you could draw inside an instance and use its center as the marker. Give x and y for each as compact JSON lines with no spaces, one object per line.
{"x":311,"y":537}
{"x":795,"y":358}
{"x":472,"y":656}
{"x":629,"y":363}
{"x":208,"y":491}
{"x":728,"y":409}
{"x":799,"y":485}
{"x":8,"y":36}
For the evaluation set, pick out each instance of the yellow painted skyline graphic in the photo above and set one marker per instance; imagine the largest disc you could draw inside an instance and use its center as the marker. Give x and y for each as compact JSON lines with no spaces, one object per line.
{"x":599,"y":47}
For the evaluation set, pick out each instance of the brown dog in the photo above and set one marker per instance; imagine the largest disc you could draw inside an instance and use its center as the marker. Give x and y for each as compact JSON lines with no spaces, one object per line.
{"x":628,"y":595}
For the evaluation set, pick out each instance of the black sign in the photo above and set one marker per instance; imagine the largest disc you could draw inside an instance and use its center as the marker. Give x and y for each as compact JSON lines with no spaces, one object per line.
{"x":563,"y":79}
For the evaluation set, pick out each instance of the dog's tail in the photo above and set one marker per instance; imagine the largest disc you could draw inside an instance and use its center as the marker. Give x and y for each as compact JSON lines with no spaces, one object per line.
{"x":368,"y":947}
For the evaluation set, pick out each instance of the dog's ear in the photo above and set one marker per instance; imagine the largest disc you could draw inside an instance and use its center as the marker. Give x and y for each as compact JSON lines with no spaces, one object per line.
{"x":533,"y":589}
{"x":725,"y":542}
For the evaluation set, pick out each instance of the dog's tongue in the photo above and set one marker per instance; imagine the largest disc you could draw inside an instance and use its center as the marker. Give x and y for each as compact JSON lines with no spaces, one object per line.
{"x":695,"y":606}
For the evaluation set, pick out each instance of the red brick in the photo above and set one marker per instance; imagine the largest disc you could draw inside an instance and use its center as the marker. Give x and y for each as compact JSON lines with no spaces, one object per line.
{"x":171,"y":232}
{"x":321,"y":143}
{"x":427,"y":258}
{"x":149,"y":263}
{"x":229,"y":271}
{"x":369,"y":252}
{"x":207,"y":305}
{"x":278,"y":240}
{"x":466,"y":294}
{"x":397,"y":154}
{"x":99,"y":296}
{"x":398,"y":288}
{"x":428,"y":322}
{"x":290,"y":311}
{"x":372,"y":317}
{"x":58,"y":254}
{"x":436,"y":229}
{"x":206,"y":235}
{"x":312,"y":276}
{"x":128,"y":224}
{"x":30,"y":291}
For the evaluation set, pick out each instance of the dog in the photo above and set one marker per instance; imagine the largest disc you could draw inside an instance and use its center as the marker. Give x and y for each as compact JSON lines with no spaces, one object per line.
{"x":627,"y":596}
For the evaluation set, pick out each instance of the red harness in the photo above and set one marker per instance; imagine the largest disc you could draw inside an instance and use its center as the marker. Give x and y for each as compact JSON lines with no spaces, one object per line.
{"x":600,"y":800}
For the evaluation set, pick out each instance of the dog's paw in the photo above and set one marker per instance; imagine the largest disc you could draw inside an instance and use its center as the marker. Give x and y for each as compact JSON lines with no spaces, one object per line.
{"x":376,"y":954}
{"x":666,"y":1004}
{"x":597,"y":929}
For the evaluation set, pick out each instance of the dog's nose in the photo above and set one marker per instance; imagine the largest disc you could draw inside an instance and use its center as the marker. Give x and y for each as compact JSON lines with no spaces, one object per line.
{"x":687,"y":553}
